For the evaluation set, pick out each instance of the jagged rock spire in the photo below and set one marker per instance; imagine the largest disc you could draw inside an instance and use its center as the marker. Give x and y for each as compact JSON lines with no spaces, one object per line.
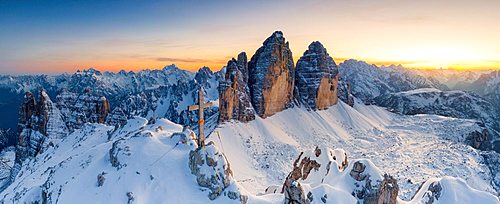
{"x":271,"y":76}
{"x":234,"y":99}
{"x":316,"y":78}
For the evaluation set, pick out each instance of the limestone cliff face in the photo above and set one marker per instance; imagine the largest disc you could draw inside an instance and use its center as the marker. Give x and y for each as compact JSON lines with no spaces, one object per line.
{"x":271,"y":76}
{"x":234,"y":99}
{"x":317,"y":77}
{"x":85,"y":108}
{"x":270,"y":82}
{"x":38,"y":120}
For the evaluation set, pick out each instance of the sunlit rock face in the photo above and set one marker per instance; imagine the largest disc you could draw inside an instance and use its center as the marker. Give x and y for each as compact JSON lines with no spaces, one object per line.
{"x":234,"y":96}
{"x":271,"y":76}
{"x":316,"y":80}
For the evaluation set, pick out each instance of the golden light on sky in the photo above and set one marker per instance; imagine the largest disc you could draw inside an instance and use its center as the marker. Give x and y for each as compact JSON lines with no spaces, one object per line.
{"x":63,"y":37}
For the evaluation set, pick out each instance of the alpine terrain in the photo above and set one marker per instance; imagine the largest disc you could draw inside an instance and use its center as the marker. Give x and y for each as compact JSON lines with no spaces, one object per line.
{"x":277,"y":130}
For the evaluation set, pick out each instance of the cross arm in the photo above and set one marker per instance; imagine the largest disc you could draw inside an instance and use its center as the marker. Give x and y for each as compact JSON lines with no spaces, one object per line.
{"x":193,"y":107}
{"x":197,"y":107}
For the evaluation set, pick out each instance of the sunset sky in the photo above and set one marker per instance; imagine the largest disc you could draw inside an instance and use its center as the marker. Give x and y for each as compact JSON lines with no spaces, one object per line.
{"x":64,"y":36}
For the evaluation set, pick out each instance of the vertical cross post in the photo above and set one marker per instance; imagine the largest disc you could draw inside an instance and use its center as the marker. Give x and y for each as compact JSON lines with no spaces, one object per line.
{"x":201,"y":120}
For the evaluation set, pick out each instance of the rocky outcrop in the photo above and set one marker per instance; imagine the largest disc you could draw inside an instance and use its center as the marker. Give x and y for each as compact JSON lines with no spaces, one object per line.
{"x":492,"y":160}
{"x":323,"y":167}
{"x":344,"y":92}
{"x":234,"y":96}
{"x":84,"y":108}
{"x":212,"y":171}
{"x":26,"y":111}
{"x":316,"y":78}
{"x":38,"y":121}
{"x":32,"y":122}
{"x":479,"y":140}
{"x":118,"y":149}
{"x":271,"y":76}
{"x":432,"y":193}
{"x":387,"y":192}
{"x":294,"y":194}
{"x":383,"y":191}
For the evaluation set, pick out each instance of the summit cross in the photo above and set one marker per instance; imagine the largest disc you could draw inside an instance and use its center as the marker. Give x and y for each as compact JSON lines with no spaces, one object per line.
{"x":200,"y":107}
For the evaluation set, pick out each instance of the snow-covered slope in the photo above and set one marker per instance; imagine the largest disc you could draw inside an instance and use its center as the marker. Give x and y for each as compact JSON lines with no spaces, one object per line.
{"x":150,"y":162}
{"x":410,"y":148}
{"x":139,"y":163}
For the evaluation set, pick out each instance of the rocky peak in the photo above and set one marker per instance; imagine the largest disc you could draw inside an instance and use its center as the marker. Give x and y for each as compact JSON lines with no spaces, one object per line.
{"x":271,"y":76}
{"x":234,"y":98}
{"x":203,"y":74}
{"x":85,"y":108}
{"x":170,"y":67}
{"x":316,"y":80}
{"x":38,"y":121}
{"x":27,"y":109}
{"x":243,"y":65}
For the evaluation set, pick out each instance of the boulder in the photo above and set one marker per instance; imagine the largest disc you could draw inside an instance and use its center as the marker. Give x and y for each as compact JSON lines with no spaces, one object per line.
{"x":234,"y":96}
{"x":433,"y":193}
{"x":294,"y":193}
{"x":479,"y":140}
{"x":212,"y":171}
{"x":271,"y":76}
{"x":388,"y":191}
{"x":316,"y":78}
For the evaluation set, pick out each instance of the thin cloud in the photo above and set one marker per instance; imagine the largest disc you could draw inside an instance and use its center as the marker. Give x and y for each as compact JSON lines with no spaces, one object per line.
{"x":188,"y":60}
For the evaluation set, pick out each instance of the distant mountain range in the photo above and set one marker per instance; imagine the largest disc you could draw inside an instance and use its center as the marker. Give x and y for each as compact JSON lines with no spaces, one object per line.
{"x":68,"y":136}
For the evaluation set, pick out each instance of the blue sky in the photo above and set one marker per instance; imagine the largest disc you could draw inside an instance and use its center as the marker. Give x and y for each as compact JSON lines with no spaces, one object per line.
{"x":63,"y":36}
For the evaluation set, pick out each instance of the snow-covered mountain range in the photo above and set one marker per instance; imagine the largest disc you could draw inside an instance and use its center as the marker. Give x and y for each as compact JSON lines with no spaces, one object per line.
{"x":277,"y":133}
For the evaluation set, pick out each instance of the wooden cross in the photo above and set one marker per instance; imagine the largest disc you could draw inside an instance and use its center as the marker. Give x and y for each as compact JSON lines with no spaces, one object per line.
{"x":200,"y":107}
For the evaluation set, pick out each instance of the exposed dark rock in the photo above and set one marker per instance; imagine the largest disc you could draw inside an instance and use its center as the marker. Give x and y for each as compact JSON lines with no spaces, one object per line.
{"x":357,"y":171}
{"x":26,"y":111}
{"x":492,"y":160}
{"x":130,"y":198}
{"x":433,"y":193}
{"x":216,"y":175}
{"x":294,"y":193}
{"x":84,"y":108}
{"x":271,"y":76}
{"x":101,"y":179}
{"x":479,"y":140}
{"x":117,"y":149}
{"x":37,"y":122}
{"x":301,"y":170}
{"x":345,"y":93}
{"x":373,"y":192}
{"x":234,"y":99}
{"x":316,"y":78}
{"x":388,"y":191}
